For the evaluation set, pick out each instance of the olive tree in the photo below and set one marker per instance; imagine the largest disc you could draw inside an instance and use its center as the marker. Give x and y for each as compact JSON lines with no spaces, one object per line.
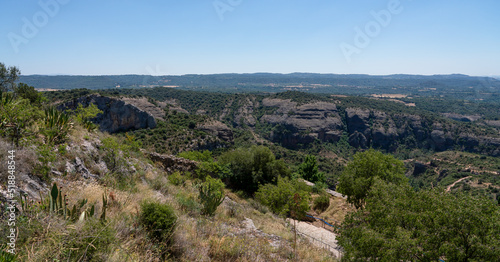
{"x":358,"y":177}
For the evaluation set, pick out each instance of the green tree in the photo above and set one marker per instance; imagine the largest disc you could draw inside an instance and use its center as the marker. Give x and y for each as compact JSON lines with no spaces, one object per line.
{"x":16,"y":117}
{"x":357,"y":179}
{"x":28,"y":92}
{"x":8,"y":77}
{"x":399,"y":224}
{"x":251,"y":167}
{"x":309,"y":170}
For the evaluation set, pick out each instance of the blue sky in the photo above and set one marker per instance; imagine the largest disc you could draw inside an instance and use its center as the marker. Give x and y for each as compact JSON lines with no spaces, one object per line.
{"x":163,"y":37}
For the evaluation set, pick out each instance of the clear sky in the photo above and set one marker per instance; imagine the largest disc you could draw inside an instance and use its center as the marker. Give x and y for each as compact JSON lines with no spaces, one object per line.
{"x":172,"y":37}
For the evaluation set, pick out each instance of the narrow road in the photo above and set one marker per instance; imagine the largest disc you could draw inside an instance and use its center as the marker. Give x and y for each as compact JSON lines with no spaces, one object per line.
{"x":318,"y":236}
{"x":458,"y":181}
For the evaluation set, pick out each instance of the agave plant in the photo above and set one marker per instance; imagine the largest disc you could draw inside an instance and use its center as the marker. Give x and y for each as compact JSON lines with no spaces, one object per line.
{"x":57,"y":126}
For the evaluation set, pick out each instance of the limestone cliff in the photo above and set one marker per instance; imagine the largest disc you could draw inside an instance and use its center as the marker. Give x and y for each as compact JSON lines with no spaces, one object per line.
{"x":298,"y":125}
{"x":117,"y":116}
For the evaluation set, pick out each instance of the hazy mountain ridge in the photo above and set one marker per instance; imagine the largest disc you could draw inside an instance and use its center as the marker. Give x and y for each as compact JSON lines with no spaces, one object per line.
{"x":456,"y":86}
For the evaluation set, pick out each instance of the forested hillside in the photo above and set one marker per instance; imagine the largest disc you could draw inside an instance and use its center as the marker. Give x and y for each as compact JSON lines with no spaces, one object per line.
{"x":332,"y":127}
{"x":162,"y":174}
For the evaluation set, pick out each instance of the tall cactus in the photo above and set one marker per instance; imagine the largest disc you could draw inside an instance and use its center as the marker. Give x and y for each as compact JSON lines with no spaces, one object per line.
{"x":104,"y":206}
{"x":211,"y":195}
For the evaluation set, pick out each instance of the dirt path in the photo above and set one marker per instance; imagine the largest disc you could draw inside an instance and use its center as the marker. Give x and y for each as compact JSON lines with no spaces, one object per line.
{"x":458,"y":181}
{"x":318,"y":236}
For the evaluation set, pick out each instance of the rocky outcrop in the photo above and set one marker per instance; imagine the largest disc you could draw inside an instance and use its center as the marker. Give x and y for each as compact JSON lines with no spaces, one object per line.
{"x":295,"y":125}
{"x":217,"y":129}
{"x":303,"y":124}
{"x":171,"y":163}
{"x":117,"y":115}
{"x":244,"y":115}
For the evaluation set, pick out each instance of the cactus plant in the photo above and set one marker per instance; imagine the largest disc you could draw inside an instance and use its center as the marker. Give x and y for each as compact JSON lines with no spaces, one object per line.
{"x":211,"y":195}
{"x":104,"y":206}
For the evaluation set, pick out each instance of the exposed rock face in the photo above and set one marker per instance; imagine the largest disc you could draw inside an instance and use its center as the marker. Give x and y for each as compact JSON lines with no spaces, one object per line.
{"x":294,"y":125}
{"x":218,"y":129}
{"x":117,"y":115}
{"x":303,"y":124}
{"x":245,"y":113}
{"x":171,"y":162}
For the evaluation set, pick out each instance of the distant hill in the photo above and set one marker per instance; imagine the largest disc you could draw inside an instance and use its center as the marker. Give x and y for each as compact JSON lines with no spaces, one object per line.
{"x":456,"y":85}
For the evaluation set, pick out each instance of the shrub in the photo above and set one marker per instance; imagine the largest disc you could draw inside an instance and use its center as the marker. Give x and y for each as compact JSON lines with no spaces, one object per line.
{"x":286,"y":198}
{"x":319,"y":188}
{"x":25,"y":91}
{"x":177,"y":178}
{"x":16,"y":117}
{"x":211,"y":195}
{"x":213,"y":169}
{"x":188,"y":203}
{"x":251,"y":167}
{"x":159,"y":220}
{"x":321,"y":203}
{"x":85,"y":114}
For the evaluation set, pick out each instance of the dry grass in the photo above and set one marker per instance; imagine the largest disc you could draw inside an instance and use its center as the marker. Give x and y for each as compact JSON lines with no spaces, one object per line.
{"x":337,"y":210}
{"x":197,"y":238}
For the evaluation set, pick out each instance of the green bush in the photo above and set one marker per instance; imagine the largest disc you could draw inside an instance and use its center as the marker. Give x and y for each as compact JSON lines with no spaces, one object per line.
{"x":159,"y":220}
{"x":251,"y":167}
{"x":288,"y":197}
{"x":211,"y":195}
{"x":177,"y":178}
{"x":213,"y":169}
{"x":319,"y":188}
{"x":202,"y":156}
{"x":25,"y":91}
{"x":321,"y":203}
{"x":188,"y":203}
{"x":17,"y":117}
{"x":85,"y":114}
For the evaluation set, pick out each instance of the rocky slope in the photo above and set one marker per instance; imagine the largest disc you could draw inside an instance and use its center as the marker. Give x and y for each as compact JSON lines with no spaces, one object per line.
{"x":295,"y":125}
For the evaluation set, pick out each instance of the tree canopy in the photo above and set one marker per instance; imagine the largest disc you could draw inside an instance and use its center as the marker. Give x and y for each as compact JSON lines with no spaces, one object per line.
{"x":8,"y":77}
{"x":359,"y":175}
{"x":309,"y":170}
{"x":399,"y":224}
{"x":253,"y":166}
